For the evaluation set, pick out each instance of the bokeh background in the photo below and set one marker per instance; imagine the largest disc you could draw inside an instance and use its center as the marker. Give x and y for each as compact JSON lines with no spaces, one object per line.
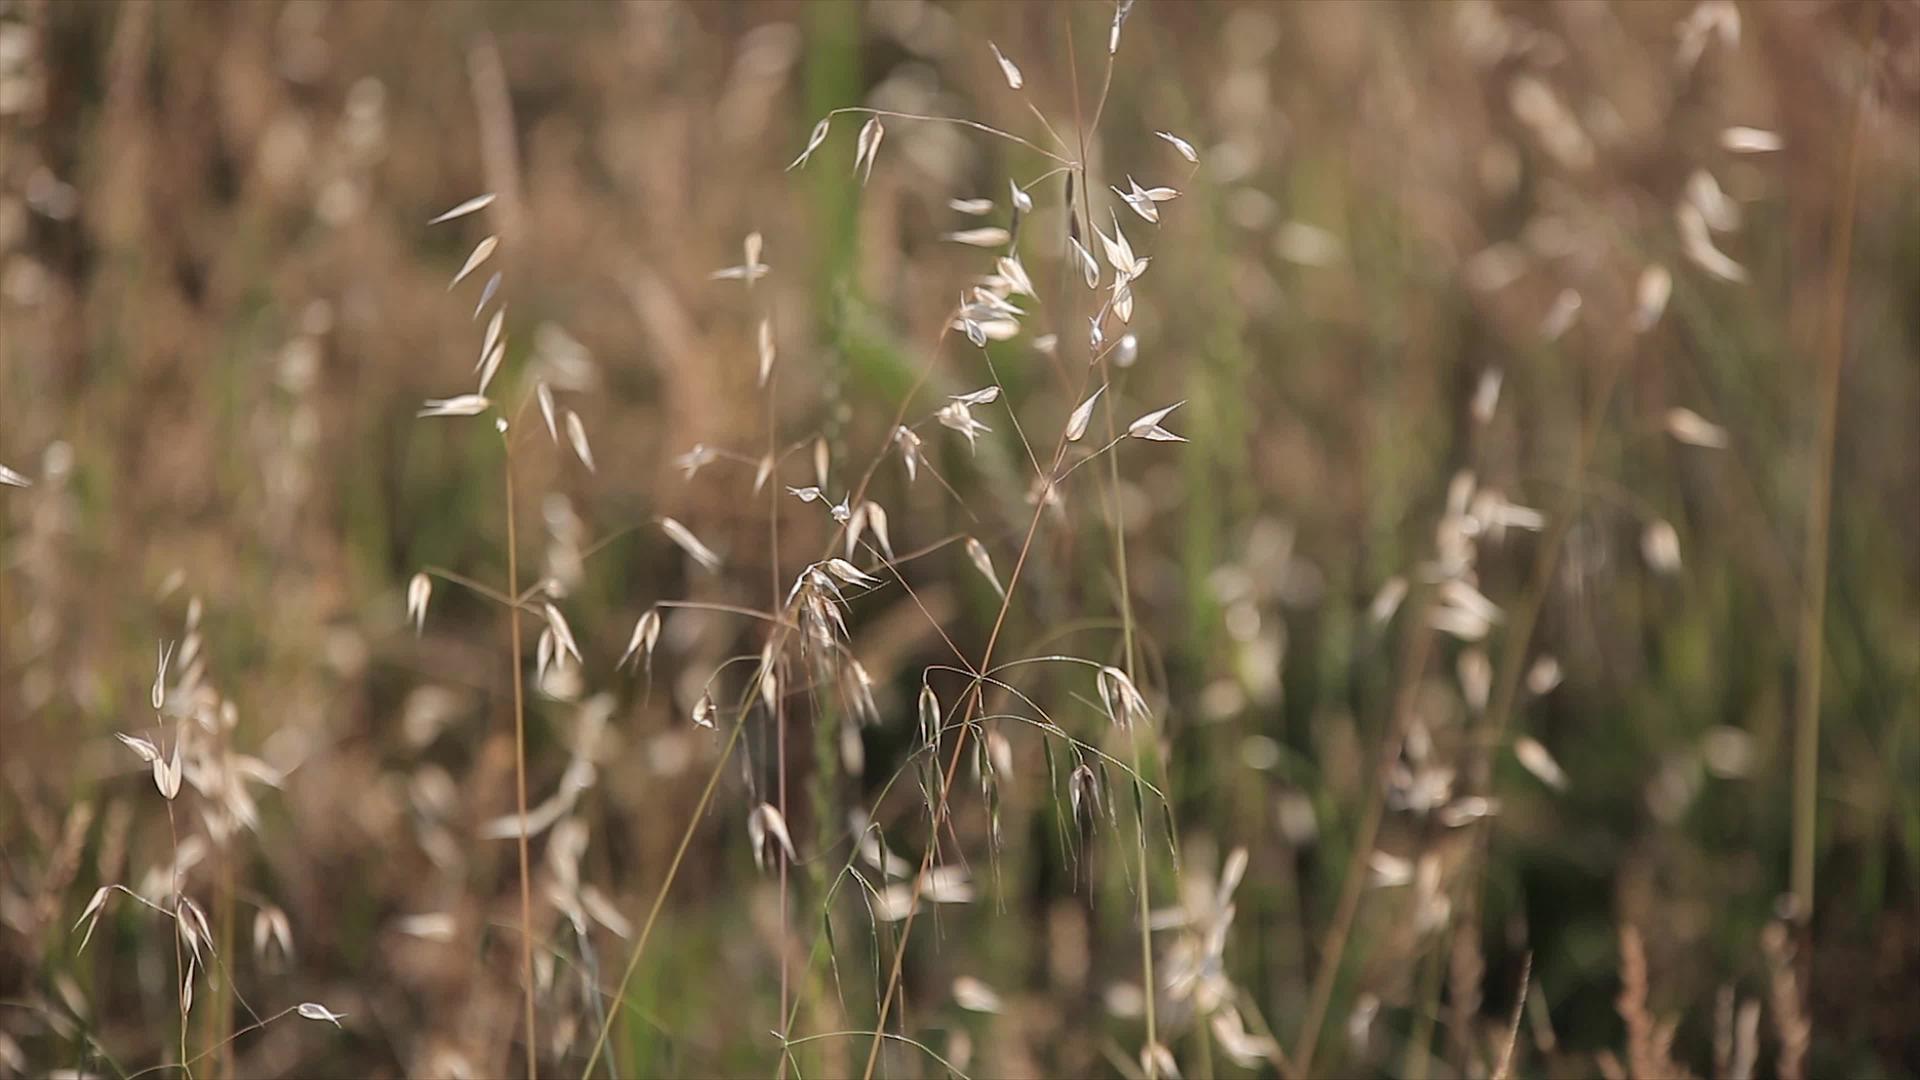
{"x":221,"y":307}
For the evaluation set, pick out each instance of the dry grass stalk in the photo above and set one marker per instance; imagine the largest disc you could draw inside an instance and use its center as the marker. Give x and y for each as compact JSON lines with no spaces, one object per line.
{"x":1813,"y":613}
{"x":1649,"y":1040}
{"x":805,"y":673}
{"x":1790,"y":1021}
{"x":520,"y":770}
{"x":1503,"y":1064}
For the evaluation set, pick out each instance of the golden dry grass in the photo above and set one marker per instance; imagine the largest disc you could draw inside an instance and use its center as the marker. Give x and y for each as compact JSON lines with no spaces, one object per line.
{"x":1513,"y":672}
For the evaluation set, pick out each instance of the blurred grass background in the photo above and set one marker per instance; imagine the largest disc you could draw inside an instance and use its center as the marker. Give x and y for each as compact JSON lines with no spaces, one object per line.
{"x":221,"y":308}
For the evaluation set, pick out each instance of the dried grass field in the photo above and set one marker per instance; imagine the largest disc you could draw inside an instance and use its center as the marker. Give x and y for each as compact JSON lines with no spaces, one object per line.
{"x":879,"y":538}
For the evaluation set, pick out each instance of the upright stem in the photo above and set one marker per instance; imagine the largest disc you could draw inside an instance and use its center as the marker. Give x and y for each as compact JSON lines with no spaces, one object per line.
{"x":1133,"y":739}
{"x":223,"y":1001}
{"x":660,"y":898}
{"x":726,"y":751}
{"x":779,"y":711}
{"x":520,"y":772}
{"x":1806,"y":742}
{"x":1120,"y":567}
{"x":974,"y":707}
{"x":780,"y":753}
{"x":1413,"y":662}
{"x":179,"y":959}
{"x":1146,"y":909}
{"x":779,"y":716}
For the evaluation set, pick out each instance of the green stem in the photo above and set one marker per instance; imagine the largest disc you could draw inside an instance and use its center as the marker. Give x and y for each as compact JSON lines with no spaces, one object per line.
{"x":1806,"y":742}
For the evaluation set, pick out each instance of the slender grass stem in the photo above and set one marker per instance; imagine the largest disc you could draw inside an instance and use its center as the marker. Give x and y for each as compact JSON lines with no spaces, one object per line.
{"x":520,"y":770}
{"x":974,"y":124}
{"x":920,"y":1046}
{"x":1806,"y":728}
{"x":1114,"y":510}
{"x":779,"y":714}
{"x":224,"y":916}
{"x":1413,"y":661}
{"x":179,"y":960}
{"x":248,"y":1030}
{"x":726,"y":753}
{"x":660,"y":898}
{"x":460,"y":579}
{"x":974,"y":705}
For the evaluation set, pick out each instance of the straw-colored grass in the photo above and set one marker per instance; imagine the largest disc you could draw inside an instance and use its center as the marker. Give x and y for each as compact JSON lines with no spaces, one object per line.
{"x":1104,"y":539}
